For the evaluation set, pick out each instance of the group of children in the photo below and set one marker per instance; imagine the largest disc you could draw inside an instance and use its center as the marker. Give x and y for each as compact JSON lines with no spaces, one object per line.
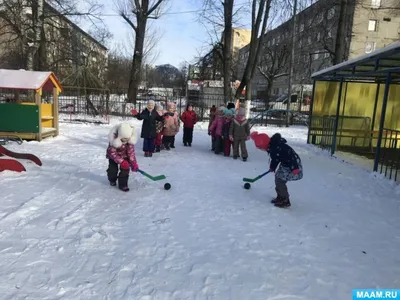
{"x":161,"y":126}
{"x":227,"y":129}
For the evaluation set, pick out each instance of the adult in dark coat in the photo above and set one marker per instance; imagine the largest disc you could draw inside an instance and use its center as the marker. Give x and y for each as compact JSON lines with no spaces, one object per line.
{"x":149,"y":116}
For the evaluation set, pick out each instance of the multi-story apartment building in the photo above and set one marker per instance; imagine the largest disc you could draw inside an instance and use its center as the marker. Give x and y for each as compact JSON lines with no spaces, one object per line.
{"x":367,"y":25}
{"x":64,"y":48}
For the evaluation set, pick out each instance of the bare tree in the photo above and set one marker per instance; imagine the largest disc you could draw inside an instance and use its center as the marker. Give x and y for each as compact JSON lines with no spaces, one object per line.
{"x":220,"y":17}
{"x":136,"y":14}
{"x":259,"y":20}
{"x":274,"y":64}
{"x":150,"y":50}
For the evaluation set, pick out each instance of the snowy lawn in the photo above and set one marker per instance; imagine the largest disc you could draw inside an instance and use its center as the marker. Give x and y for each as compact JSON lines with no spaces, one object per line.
{"x":66,"y":234}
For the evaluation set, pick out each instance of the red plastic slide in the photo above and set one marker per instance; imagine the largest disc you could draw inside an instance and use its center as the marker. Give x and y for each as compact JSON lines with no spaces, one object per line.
{"x":31,"y":157}
{"x":11,"y":165}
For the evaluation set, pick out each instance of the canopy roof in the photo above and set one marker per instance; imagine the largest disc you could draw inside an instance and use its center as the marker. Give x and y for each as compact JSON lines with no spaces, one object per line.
{"x":371,"y":67}
{"x":28,"y":80}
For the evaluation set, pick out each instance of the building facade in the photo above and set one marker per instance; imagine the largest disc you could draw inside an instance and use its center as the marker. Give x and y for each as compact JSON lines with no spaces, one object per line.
{"x":63,"y":47}
{"x":367,"y":25}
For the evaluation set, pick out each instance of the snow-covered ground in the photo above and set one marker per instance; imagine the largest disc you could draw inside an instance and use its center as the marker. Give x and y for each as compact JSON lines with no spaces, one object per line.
{"x":66,"y":234}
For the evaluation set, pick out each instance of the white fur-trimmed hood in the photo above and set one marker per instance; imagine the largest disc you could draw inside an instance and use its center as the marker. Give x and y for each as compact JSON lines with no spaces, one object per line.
{"x":120,"y":131}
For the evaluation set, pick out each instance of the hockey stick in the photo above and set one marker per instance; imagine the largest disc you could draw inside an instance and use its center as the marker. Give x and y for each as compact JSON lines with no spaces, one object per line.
{"x":256,"y":178}
{"x":154,"y":178}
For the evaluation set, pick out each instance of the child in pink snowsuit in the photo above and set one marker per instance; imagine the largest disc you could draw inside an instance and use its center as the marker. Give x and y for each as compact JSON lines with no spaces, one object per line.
{"x":215,"y":130}
{"x":121,"y":155}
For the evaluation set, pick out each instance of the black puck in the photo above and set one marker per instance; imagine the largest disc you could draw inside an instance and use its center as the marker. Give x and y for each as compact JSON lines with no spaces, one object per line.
{"x":167,"y":186}
{"x":247,"y":186}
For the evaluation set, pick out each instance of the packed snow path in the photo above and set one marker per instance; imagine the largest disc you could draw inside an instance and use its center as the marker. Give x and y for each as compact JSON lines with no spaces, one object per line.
{"x":66,"y":234}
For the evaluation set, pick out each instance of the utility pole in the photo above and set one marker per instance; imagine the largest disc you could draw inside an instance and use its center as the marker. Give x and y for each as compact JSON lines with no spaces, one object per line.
{"x":291,"y":64}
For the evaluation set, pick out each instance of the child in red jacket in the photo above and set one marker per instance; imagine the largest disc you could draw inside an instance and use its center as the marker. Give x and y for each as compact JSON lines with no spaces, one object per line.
{"x":121,"y":155}
{"x":189,"y":119}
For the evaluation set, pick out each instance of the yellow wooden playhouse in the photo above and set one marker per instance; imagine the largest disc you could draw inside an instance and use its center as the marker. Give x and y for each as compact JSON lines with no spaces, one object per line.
{"x":29,"y":104}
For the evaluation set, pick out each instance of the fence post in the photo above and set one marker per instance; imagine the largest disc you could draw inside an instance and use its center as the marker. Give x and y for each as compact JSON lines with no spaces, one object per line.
{"x":382,"y":121}
{"x":311,"y":111}
{"x":333,"y":147}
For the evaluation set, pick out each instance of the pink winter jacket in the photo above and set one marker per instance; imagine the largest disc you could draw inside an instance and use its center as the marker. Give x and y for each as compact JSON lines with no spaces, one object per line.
{"x":171,"y":125}
{"x":216,"y":126}
{"x":118,"y":151}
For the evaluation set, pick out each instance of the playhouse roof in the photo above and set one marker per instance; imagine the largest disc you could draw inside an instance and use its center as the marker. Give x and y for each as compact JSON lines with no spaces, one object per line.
{"x":28,"y":80}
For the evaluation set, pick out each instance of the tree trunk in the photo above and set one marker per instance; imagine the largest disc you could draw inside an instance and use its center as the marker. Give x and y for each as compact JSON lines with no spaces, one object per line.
{"x":37,"y":22}
{"x":227,"y":50}
{"x":268,"y":91}
{"x":135,"y":76}
{"x":256,"y":44}
{"x":340,"y":42}
{"x":42,"y":52}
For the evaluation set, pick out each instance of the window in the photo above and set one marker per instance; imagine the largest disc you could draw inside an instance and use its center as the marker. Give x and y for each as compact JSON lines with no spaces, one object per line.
{"x":327,"y":55}
{"x":375,"y":3}
{"x":372,"y":25}
{"x":309,"y":40}
{"x":318,"y":36}
{"x":331,"y":13}
{"x":316,"y":56}
{"x":302,"y":27}
{"x":370,"y":47}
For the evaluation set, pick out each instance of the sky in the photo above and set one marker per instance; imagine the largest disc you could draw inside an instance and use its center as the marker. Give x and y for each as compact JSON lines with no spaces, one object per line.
{"x":181,"y":37}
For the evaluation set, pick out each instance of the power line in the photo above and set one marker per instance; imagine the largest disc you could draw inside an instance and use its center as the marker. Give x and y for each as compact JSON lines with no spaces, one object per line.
{"x":165,"y":13}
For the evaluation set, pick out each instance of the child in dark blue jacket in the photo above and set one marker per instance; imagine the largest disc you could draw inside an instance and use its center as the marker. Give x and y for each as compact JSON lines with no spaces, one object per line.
{"x":282,"y":154}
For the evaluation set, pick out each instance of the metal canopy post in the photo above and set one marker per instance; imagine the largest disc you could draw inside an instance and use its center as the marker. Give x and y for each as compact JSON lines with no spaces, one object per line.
{"x":378,"y":87}
{"x":382,"y":121}
{"x":333,"y":147}
{"x":311,"y":111}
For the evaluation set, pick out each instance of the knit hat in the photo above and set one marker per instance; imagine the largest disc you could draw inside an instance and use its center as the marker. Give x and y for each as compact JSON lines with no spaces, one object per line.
{"x":261,"y":140}
{"x":151,"y":102}
{"x":241,"y":112}
{"x":171,"y":105}
{"x":122,"y":131}
{"x":229,"y":112}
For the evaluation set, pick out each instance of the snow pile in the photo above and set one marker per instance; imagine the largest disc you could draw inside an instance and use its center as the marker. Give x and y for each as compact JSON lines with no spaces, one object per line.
{"x":66,"y":234}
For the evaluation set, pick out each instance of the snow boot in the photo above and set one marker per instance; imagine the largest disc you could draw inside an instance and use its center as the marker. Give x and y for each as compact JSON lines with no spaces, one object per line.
{"x":146,"y":154}
{"x":244,"y":158}
{"x":112,"y":183}
{"x":277,"y":199}
{"x":235,"y":157}
{"x":150,"y":154}
{"x":282,"y":203}
{"x":190,"y":144}
{"x":185,"y":144}
{"x":158,"y":149}
{"x":124,"y":189}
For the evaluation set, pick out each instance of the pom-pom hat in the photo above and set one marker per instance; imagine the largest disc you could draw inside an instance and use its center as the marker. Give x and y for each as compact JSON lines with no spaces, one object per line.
{"x":261,"y":140}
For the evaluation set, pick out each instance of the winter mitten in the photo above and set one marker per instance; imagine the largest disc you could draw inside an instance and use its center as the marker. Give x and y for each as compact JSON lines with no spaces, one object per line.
{"x":134,"y":112}
{"x":271,"y":171}
{"x":231,"y":138}
{"x":134,"y":167}
{"x":295,"y":171}
{"x":125,"y":165}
